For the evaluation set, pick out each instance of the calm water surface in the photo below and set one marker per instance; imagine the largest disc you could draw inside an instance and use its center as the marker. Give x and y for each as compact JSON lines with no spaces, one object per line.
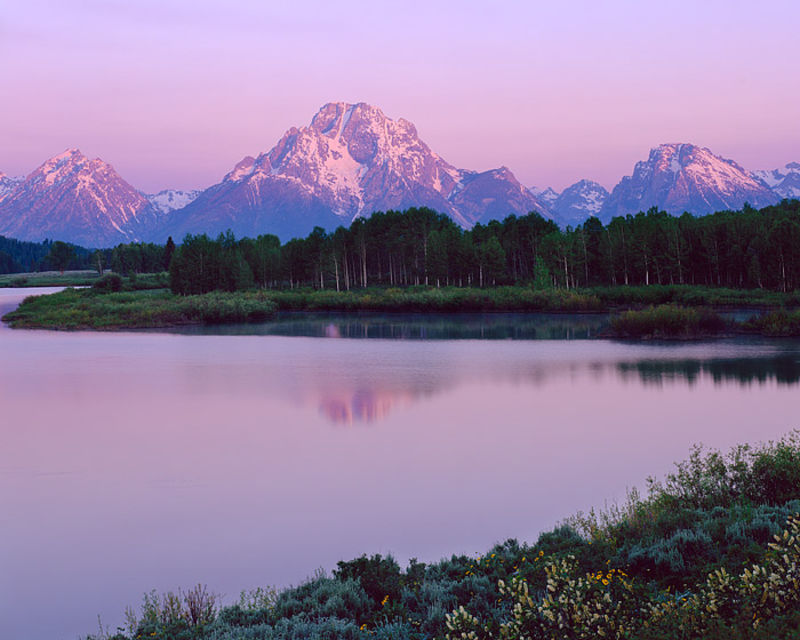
{"x":239,"y":458}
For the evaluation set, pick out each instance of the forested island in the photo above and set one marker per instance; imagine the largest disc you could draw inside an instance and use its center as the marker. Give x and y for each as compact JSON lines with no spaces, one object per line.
{"x":711,"y":551}
{"x":419,"y":260}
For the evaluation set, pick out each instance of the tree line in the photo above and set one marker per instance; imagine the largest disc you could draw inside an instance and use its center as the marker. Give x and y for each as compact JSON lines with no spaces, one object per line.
{"x":18,"y":256}
{"x":741,"y":249}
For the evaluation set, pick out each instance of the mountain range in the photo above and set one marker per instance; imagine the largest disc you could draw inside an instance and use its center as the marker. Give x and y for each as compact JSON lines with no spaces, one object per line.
{"x":350,"y":161}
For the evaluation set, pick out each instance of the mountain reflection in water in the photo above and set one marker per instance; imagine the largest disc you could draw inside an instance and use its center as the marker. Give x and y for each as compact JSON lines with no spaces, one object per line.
{"x":369,"y":402}
{"x":235,"y":457}
{"x":365,"y":394}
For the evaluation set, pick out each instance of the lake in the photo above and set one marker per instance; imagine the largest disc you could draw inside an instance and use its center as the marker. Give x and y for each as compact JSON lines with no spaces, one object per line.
{"x":255,"y":455}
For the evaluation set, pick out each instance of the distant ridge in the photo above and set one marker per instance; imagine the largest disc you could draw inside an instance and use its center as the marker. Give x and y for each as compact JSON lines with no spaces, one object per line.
{"x":70,"y":197}
{"x":684,"y":177}
{"x":349,"y":161}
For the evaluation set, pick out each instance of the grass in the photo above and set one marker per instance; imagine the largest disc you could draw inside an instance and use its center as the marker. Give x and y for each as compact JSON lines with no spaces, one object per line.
{"x":778,"y":323}
{"x":693,"y":296}
{"x":668,"y":321}
{"x":74,"y":309}
{"x":85,"y":278}
{"x":674,"y":312}
{"x":696,"y":557}
{"x":49,"y":279}
{"x":523,"y":298}
{"x":439,"y":300}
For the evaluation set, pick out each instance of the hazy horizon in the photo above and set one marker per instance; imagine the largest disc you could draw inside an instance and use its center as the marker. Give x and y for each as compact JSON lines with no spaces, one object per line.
{"x":174,"y":94}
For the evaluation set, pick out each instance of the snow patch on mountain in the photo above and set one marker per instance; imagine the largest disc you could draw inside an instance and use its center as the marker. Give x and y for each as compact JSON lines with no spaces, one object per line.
{"x":350,"y":161}
{"x":684,"y":177}
{"x":578,"y":202}
{"x":171,"y":199}
{"x":8,"y":184}
{"x":71,"y":197}
{"x":548,"y":195}
{"x":785,"y":182}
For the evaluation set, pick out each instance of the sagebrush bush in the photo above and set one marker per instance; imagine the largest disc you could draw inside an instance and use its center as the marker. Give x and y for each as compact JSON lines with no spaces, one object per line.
{"x":696,"y":557}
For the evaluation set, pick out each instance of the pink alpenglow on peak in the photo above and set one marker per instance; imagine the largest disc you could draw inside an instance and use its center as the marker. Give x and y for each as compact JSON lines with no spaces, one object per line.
{"x":8,"y":184}
{"x":349,"y":162}
{"x":684,"y":177}
{"x":169,"y":200}
{"x":784,"y":182}
{"x":71,"y":197}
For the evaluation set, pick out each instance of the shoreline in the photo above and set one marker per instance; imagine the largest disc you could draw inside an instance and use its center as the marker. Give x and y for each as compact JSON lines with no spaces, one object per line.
{"x":97,"y":310}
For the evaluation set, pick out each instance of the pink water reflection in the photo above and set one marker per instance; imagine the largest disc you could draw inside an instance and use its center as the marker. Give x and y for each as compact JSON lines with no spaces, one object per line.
{"x":138,"y":461}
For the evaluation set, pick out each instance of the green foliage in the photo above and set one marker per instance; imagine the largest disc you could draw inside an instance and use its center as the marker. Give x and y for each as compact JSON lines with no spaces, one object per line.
{"x":18,"y":256}
{"x":50,"y":279}
{"x":607,"y":603}
{"x":169,"y":251}
{"x":776,"y":323}
{"x":60,"y":255}
{"x":137,"y":257}
{"x":667,"y":321}
{"x":748,"y":250}
{"x":704,"y":555}
{"x":108,"y":283}
{"x":431,"y":299}
{"x":648,"y":259}
{"x":86,"y":309}
{"x":181,"y":615}
{"x":201,"y":265}
{"x":378,"y":576}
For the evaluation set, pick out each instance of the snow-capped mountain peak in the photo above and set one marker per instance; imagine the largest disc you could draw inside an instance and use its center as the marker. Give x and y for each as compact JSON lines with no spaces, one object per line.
{"x":785,"y":182}
{"x":349,"y":161}
{"x":171,"y":199}
{"x":682,"y":177}
{"x":548,"y":195}
{"x":579,"y":201}
{"x":8,"y":184}
{"x":74,"y":198}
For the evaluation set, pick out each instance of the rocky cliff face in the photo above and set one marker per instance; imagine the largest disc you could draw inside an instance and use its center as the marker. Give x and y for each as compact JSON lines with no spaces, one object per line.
{"x":350,"y":161}
{"x":785,"y":182}
{"x":75,"y":199}
{"x":683,"y":177}
{"x":170,"y":199}
{"x":578,"y":202}
{"x":8,"y":184}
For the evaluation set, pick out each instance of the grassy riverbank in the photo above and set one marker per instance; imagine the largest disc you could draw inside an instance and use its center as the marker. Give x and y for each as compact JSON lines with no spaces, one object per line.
{"x":678,"y":311}
{"x":520,"y":298}
{"x":49,"y":279}
{"x":87,"y":309}
{"x":85,"y":278}
{"x":668,"y":321}
{"x":696,"y":557}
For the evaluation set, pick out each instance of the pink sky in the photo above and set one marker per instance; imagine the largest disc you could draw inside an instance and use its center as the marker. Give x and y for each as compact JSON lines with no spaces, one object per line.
{"x":174,"y":93}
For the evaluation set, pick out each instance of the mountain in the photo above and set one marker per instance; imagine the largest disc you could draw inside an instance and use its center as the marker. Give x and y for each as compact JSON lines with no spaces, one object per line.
{"x":350,"y":161}
{"x":683,"y":177}
{"x":170,"y":199}
{"x":784,"y":182}
{"x":579,"y":201}
{"x":8,"y":184}
{"x":547,"y":195}
{"x":75,"y":199}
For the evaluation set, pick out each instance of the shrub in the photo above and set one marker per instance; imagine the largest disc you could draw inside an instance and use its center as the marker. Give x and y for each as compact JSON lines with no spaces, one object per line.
{"x":667,"y":321}
{"x":776,"y":323}
{"x":606,"y":603}
{"x":108,"y":283}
